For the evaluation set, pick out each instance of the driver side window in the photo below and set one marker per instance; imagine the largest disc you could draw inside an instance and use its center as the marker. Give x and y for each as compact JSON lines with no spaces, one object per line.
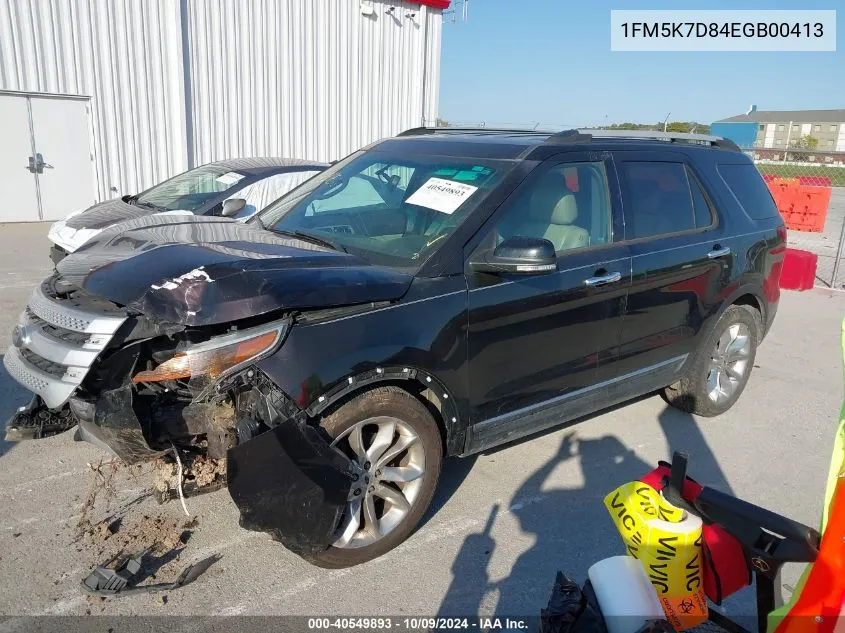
{"x":565,"y":203}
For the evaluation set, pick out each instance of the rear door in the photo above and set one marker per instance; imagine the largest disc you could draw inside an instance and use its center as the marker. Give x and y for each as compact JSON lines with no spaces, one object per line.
{"x":537,"y":341}
{"x":681,"y":261}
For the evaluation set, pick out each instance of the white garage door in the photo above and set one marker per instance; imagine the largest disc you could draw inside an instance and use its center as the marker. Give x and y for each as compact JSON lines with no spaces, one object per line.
{"x":46,"y":168}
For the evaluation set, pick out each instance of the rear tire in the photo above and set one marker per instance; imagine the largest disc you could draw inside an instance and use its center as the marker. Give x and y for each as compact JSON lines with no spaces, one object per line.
{"x":370,"y":428}
{"x":721,"y":366}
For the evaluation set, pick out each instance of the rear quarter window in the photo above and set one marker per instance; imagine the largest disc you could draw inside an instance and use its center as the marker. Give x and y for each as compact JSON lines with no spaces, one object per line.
{"x":749,"y":189}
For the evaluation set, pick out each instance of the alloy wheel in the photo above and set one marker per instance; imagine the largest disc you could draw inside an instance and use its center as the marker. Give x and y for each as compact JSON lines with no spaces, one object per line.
{"x":391,"y":461}
{"x":729,"y":363}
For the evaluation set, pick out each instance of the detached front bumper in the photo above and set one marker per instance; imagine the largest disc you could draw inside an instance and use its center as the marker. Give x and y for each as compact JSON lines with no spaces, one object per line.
{"x":282,"y":472}
{"x":289,"y":482}
{"x":110,"y":424}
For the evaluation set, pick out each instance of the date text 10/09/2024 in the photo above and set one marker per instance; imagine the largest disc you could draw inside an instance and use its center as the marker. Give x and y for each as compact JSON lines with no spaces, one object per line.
{"x":418,"y":623}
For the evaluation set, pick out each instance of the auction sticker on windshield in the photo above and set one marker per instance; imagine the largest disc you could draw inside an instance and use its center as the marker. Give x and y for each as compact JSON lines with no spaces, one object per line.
{"x":442,"y":195}
{"x":230,"y":178}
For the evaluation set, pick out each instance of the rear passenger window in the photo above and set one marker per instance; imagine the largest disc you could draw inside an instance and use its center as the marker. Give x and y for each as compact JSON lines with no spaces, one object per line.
{"x":660,"y":199}
{"x":749,"y":189}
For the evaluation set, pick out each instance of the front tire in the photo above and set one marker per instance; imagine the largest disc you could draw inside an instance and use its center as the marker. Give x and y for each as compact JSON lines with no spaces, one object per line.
{"x":721,"y":367}
{"x":396,"y":441}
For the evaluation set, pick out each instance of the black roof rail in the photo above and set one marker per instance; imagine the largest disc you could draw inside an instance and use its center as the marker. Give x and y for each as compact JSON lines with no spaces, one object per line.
{"x":586,"y":135}
{"x":570,"y":136}
{"x":669,"y":137}
{"x":419,"y":131}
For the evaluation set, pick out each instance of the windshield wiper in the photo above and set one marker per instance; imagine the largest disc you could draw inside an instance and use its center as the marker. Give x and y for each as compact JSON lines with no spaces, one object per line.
{"x":314,"y":239}
{"x":150,"y":205}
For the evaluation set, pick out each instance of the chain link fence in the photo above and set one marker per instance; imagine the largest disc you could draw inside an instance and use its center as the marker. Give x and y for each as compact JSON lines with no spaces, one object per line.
{"x":818,"y":177}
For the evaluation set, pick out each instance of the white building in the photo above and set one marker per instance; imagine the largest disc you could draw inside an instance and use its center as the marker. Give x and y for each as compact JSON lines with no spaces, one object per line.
{"x":100,"y":98}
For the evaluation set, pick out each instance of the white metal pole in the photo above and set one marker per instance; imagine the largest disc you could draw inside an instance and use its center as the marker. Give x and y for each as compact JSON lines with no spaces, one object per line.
{"x":788,"y":136}
{"x":838,"y":255}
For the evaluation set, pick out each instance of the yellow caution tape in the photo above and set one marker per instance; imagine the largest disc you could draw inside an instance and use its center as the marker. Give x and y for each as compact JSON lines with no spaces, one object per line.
{"x":667,"y":542}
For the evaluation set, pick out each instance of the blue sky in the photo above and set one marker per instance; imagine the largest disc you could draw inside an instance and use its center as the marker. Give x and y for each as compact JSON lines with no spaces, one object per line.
{"x":519,"y":62}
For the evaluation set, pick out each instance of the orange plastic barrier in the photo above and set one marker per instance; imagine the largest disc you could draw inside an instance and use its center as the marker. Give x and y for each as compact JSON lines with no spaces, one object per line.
{"x":803,"y":207}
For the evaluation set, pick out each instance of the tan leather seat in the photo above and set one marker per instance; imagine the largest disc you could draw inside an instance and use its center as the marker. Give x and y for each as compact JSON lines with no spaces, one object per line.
{"x":552,"y":210}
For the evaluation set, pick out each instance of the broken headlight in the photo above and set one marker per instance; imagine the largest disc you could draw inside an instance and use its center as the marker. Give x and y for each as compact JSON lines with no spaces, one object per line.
{"x":219,"y":355}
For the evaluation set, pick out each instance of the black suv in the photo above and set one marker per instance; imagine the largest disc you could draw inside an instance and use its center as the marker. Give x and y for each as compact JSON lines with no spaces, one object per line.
{"x":433,"y":294}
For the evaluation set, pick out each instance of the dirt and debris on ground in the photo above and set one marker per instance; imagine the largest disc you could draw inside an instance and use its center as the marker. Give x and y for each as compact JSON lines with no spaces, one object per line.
{"x":135,"y":532}
{"x":101,"y":492}
{"x":198,"y":472}
{"x":206,"y":471}
{"x":113,"y":526}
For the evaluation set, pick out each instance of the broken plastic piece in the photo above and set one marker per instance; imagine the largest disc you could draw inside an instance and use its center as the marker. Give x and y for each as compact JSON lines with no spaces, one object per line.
{"x":34,"y":421}
{"x":106,"y":582}
{"x":291,"y":483}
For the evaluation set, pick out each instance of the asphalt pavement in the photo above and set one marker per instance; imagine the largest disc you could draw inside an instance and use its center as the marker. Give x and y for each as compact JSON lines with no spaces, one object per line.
{"x":502,"y":524}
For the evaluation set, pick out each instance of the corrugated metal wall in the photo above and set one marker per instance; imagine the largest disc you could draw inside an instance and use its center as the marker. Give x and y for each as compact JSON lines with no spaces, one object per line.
{"x":309,"y":79}
{"x":312,"y":79}
{"x":743,"y":133}
{"x":127,"y":57}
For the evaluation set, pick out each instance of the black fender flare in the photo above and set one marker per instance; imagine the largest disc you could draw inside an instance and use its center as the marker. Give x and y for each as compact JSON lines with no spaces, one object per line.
{"x":455,"y":432}
{"x":729,"y":300}
{"x":746,"y":289}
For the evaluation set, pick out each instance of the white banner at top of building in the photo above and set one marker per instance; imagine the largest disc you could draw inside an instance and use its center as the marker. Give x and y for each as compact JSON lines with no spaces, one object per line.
{"x":710,"y":30}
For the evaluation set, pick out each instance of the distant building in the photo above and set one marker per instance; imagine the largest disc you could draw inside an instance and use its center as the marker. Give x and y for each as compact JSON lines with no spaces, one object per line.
{"x":779,"y":129}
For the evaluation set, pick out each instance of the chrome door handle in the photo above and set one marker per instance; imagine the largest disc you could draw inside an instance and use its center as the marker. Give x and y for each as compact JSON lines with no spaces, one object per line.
{"x":719,"y":252}
{"x":601,"y":280}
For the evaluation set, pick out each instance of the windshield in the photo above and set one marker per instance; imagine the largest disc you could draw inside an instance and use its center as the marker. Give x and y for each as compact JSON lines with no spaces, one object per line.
{"x":191,"y":190}
{"x":392,"y":209}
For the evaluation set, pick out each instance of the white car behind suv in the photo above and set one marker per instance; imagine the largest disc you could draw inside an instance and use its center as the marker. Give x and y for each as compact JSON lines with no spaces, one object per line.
{"x":237,"y":188}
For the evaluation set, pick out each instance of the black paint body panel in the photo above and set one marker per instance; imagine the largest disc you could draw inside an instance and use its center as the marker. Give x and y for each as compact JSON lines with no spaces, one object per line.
{"x":203,"y":271}
{"x":302,"y":500}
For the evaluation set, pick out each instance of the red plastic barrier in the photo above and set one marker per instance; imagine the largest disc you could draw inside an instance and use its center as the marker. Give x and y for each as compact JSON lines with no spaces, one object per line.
{"x":803,"y":207}
{"x":799,"y":270}
{"x":815,"y":181}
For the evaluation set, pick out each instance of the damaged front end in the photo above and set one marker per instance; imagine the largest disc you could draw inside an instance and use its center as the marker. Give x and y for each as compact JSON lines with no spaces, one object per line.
{"x":141,"y":389}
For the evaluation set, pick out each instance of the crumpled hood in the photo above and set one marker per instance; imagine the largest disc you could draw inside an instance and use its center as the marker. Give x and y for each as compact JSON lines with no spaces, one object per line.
{"x":198,"y":270}
{"x":105,"y":214}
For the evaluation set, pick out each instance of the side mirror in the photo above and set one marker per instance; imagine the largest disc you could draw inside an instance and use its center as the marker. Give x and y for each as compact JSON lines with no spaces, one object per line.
{"x":519,"y":255}
{"x":233,"y":206}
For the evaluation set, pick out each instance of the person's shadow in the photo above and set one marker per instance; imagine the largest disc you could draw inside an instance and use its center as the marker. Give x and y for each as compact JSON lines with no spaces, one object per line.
{"x":570,"y":526}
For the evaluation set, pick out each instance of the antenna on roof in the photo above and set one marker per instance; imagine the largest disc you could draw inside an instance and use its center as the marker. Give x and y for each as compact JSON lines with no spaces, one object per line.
{"x":464,"y":4}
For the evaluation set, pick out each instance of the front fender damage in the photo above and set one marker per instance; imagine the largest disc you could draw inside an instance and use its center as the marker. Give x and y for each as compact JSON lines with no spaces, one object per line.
{"x":288,"y":481}
{"x":281,"y":470}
